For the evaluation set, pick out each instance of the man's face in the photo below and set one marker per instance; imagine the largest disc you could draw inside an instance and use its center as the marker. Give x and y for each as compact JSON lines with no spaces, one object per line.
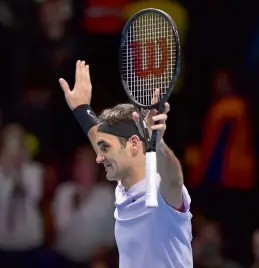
{"x":116,"y":159}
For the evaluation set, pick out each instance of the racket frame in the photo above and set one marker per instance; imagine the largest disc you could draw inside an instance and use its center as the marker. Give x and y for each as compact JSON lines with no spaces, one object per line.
{"x":166,"y":96}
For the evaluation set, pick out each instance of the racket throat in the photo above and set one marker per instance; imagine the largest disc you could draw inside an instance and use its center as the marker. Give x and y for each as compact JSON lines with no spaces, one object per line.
{"x":151,"y":144}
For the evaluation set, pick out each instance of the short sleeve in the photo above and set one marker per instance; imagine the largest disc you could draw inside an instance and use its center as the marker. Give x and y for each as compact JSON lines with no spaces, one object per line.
{"x":176,"y":223}
{"x":166,"y":208}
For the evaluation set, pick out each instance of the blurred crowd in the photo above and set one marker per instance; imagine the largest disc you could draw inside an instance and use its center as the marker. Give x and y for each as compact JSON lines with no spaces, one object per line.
{"x":56,"y":207}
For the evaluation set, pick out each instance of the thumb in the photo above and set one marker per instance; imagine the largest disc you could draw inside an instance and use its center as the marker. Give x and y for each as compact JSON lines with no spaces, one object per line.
{"x":64,"y":85}
{"x":135,"y":116}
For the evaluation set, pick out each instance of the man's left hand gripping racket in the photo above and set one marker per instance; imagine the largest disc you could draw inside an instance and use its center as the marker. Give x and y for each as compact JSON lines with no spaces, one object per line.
{"x":149,"y":59}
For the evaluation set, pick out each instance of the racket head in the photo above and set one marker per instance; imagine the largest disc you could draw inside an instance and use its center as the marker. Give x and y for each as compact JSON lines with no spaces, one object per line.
{"x":147,"y":33}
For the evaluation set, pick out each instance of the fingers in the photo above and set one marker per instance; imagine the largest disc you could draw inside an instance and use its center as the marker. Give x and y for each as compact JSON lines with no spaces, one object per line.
{"x":159,"y":127}
{"x":64,"y":85}
{"x":155,"y":96}
{"x":166,"y":108}
{"x":135,"y":116}
{"x":82,"y":71}
{"x":82,"y":74}
{"x":87,"y":74}
{"x":160,"y":117}
{"x":155,"y":99}
{"x":153,"y":112}
{"x":163,"y":116}
{"x":78,"y":71}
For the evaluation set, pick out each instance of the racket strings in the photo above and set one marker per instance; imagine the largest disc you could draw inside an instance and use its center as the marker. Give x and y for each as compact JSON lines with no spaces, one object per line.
{"x":149,"y":57}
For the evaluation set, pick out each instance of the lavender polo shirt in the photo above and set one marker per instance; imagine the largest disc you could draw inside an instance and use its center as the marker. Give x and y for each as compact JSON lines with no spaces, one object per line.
{"x":151,"y":237}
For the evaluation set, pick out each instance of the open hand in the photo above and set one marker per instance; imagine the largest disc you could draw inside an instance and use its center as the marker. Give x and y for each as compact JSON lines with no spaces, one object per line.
{"x":82,"y":92}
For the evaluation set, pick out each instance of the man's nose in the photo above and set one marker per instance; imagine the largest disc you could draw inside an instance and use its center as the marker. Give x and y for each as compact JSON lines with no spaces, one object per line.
{"x":100,"y":158}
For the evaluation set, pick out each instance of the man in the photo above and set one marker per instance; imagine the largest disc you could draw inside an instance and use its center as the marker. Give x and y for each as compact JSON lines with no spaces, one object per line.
{"x":146,"y":237}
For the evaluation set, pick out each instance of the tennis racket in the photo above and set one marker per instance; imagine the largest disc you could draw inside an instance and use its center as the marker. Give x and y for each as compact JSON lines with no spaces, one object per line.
{"x":149,"y":59}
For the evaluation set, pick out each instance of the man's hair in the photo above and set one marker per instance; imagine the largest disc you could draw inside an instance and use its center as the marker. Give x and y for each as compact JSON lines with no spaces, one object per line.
{"x":116,"y":114}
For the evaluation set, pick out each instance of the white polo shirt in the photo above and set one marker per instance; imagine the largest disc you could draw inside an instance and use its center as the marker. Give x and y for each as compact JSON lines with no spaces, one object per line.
{"x":152,"y":237}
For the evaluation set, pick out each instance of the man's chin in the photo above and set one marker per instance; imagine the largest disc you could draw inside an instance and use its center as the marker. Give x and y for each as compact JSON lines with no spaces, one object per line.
{"x":111,"y":177}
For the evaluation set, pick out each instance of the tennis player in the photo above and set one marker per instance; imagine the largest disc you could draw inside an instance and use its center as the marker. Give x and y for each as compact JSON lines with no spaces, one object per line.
{"x":146,"y":237}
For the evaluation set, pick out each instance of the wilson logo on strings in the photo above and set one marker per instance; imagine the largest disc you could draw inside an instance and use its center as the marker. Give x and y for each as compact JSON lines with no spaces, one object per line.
{"x":146,"y":61}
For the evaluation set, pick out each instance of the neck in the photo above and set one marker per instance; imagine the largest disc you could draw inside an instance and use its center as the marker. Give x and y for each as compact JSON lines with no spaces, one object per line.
{"x":137,"y":174}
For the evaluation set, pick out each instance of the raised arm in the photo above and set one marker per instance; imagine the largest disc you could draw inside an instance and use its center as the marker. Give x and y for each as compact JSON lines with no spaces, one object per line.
{"x":168,"y":166}
{"x":79,"y":100}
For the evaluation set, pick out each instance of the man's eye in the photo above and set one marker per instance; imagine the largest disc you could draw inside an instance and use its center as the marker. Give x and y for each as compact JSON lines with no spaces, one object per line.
{"x":105,"y":148}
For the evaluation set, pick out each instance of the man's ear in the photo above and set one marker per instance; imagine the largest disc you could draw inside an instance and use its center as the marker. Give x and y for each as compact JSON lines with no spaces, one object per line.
{"x":135,"y":144}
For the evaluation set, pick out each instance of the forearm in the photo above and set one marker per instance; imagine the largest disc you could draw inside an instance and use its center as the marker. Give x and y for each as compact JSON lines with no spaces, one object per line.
{"x":168,"y":166}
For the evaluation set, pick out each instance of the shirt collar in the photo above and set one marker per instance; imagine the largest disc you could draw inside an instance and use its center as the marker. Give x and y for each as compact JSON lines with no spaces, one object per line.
{"x":136,"y":188}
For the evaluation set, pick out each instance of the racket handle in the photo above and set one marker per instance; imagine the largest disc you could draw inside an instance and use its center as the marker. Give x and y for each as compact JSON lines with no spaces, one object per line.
{"x":151,"y":180}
